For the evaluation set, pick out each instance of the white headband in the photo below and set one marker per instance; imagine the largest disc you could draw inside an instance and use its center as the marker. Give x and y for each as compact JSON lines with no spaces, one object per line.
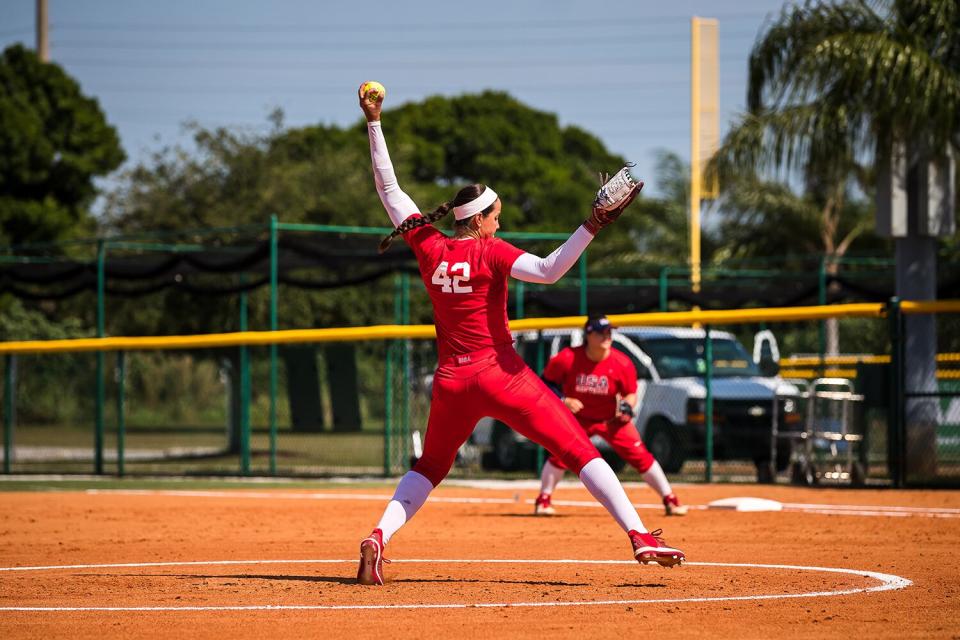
{"x":478,"y":204}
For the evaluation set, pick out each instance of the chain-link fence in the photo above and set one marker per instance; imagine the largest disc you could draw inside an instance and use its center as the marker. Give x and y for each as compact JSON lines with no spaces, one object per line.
{"x":737,"y":400}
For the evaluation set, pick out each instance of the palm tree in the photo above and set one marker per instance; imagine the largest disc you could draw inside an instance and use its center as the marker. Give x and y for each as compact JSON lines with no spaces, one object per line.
{"x":831,"y":85}
{"x":835,"y":86}
{"x":768,"y":218}
{"x":856,"y":76}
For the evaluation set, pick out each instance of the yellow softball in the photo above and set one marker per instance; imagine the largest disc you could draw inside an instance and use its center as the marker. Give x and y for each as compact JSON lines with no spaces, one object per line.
{"x":375,"y":88}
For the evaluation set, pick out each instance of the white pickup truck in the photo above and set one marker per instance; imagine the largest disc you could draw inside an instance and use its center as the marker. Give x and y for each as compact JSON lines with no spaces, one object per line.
{"x":670,"y":367}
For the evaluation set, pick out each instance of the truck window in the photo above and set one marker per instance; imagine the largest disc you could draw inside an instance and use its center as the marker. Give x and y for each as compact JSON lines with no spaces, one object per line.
{"x":684,"y":357}
{"x":642,"y":372}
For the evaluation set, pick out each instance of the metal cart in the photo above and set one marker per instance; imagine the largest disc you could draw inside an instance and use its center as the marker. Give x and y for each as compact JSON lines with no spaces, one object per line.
{"x":830,"y":447}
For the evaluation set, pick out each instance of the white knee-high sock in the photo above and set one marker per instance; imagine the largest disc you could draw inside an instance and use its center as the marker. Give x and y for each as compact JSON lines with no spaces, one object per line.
{"x":602,"y":482}
{"x":410,"y":495}
{"x":656,"y":478}
{"x":549,"y":477}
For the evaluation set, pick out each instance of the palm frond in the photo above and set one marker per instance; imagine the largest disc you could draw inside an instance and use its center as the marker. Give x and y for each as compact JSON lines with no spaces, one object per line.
{"x":899,"y":86}
{"x":800,"y":28}
{"x":795,"y":136}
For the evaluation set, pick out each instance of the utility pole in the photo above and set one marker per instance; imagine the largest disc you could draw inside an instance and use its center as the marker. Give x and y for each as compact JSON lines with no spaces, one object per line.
{"x":43,"y":39}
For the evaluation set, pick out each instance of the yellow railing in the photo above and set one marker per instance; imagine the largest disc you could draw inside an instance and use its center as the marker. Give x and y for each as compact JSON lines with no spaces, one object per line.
{"x":851,"y":374}
{"x":393,"y":332}
{"x":812,"y":361}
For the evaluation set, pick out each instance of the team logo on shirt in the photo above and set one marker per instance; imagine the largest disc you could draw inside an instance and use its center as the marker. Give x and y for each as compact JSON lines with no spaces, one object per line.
{"x":591,"y":383}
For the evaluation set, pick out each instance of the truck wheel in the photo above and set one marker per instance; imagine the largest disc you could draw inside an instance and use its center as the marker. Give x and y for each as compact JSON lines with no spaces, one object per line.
{"x":797,"y":473}
{"x":616,"y":462}
{"x":858,"y":474}
{"x":663,"y":441}
{"x":765,"y":472}
{"x":508,"y":453}
{"x":803,"y":473}
{"x":784,"y":452}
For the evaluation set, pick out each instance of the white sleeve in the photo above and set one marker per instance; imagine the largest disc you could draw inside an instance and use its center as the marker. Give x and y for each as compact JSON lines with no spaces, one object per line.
{"x":531,"y":268}
{"x":398,"y":204}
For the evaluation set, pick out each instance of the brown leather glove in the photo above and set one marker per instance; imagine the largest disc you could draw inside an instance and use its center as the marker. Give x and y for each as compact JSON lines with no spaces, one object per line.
{"x":619,"y":420}
{"x":601,"y":217}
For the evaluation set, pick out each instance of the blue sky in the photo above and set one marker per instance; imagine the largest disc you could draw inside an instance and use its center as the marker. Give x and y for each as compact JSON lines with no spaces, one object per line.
{"x":619,"y":69}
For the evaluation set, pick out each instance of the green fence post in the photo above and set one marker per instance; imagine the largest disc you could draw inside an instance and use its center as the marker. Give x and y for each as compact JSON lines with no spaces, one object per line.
{"x":583,"y":283}
{"x":708,"y":405}
{"x":822,"y":300}
{"x":388,"y":379}
{"x":101,"y":330}
{"x":520,"y":293}
{"x":244,"y":390}
{"x":274,"y":295}
{"x":896,"y":454}
{"x":405,"y":363}
{"x":663,"y":286}
{"x":121,"y":423}
{"x":388,"y":408}
{"x":541,"y":362}
{"x":9,"y":376}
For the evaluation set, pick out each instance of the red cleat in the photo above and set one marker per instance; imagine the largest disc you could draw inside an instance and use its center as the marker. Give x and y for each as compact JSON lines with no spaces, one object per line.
{"x":371,"y":559}
{"x":542,"y":506}
{"x":649,"y":548}
{"x":673,"y":507}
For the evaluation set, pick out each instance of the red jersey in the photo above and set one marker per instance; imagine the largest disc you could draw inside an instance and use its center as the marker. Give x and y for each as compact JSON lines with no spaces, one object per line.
{"x":467,"y":283}
{"x":595,"y":384}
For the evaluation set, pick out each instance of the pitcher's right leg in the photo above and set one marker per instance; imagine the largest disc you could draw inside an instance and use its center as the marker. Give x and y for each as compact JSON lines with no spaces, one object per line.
{"x":526,"y":405}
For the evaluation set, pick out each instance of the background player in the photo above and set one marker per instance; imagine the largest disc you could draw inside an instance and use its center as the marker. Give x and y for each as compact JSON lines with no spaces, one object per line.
{"x":599,"y":386}
{"x":479,"y":373}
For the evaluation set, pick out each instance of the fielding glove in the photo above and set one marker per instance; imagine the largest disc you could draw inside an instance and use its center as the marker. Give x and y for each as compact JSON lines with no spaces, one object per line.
{"x":614,"y":196}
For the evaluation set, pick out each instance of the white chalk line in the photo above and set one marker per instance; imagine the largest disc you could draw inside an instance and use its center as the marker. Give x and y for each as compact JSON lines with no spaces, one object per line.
{"x":888,"y":582}
{"x":823,"y":509}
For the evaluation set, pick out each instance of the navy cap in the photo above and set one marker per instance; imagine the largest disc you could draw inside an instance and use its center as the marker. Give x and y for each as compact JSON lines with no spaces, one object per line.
{"x":598,"y":324}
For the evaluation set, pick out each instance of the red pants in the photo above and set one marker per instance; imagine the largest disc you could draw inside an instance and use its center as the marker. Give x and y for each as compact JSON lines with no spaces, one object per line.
{"x":625,"y":440}
{"x":497,"y":383}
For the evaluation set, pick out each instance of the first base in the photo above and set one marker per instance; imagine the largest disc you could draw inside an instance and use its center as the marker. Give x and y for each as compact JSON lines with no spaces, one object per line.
{"x":746,"y":504}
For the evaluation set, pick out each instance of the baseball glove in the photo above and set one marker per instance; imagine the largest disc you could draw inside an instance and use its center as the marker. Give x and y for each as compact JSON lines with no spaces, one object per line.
{"x":619,"y":420}
{"x":624,"y":415}
{"x":613,"y":197}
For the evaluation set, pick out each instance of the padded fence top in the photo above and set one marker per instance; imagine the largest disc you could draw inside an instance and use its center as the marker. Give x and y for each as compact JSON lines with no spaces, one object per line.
{"x":330,"y":261}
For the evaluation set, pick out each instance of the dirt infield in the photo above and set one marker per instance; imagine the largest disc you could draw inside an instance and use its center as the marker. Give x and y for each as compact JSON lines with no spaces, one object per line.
{"x":294,"y":550}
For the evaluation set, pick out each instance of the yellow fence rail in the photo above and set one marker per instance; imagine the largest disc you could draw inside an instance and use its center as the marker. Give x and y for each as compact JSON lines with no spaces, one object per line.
{"x":395,"y":332}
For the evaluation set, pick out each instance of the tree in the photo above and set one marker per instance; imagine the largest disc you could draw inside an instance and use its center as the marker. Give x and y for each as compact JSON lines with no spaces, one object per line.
{"x":54,"y":141}
{"x":833,"y":82}
{"x":833,"y":86}
{"x":654,"y":231}
{"x":545,"y":174}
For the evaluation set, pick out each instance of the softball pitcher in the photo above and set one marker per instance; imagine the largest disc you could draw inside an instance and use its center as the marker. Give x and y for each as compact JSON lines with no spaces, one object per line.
{"x":479,"y":373}
{"x":599,"y":386}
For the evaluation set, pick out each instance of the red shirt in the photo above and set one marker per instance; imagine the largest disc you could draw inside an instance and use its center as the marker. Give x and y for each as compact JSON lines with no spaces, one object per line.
{"x":595,"y":384}
{"x":467,"y":283}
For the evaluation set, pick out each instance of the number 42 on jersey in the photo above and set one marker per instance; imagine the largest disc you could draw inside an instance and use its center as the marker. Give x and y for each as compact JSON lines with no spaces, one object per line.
{"x":451,"y":278}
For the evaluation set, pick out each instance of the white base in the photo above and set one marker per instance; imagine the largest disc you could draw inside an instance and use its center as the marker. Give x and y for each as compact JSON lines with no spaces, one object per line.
{"x":746,"y":504}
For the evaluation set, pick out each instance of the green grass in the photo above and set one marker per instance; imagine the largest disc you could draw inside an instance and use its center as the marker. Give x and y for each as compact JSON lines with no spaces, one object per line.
{"x":184,"y":484}
{"x":193,"y":451}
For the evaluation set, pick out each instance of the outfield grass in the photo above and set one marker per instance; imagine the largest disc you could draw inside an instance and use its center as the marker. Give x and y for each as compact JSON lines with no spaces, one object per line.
{"x":64,"y":449}
{"x":186,"y":484}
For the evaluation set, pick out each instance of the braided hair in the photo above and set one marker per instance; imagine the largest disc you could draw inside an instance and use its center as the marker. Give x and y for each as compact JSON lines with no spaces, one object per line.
{"x":465,"y":195}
